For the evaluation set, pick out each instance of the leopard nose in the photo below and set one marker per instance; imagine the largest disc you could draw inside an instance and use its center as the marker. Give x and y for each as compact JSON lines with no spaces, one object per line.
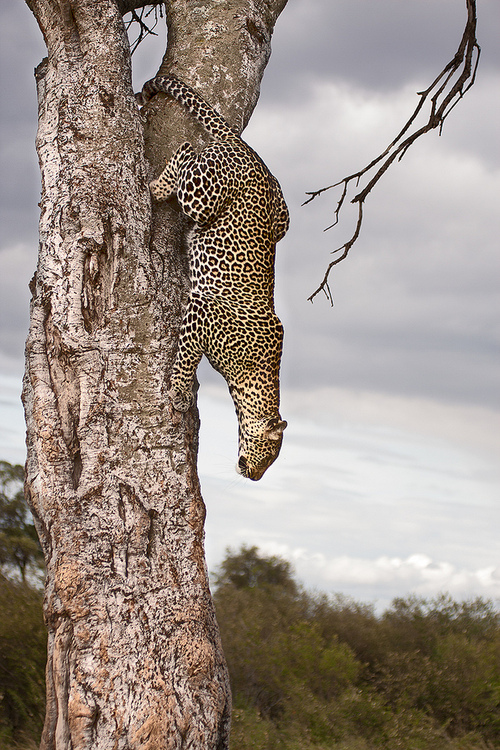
{"x":242,"y":466}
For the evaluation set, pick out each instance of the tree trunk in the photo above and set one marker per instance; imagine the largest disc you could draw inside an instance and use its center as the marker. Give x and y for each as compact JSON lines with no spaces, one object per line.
{"x":135,"y":659}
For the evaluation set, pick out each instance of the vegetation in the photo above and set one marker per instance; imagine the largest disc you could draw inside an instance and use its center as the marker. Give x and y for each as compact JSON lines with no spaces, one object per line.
{"x":20,"y":552}
{"x":23,"y":640}
{"x":309,"y":672}
{"x":315,"y":672}
{"x":22,"y":632}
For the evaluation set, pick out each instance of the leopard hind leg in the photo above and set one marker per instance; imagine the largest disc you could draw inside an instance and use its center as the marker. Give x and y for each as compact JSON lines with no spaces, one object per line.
{"x":167,"y":183}
{"x":189,"y":352}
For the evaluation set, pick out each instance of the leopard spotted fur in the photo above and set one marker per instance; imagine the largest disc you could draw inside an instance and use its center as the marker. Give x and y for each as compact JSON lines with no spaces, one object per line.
{"x":239,"y":215}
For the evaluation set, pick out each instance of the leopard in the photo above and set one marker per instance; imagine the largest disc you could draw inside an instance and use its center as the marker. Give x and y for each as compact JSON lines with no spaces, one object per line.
{"x":238,"y":214}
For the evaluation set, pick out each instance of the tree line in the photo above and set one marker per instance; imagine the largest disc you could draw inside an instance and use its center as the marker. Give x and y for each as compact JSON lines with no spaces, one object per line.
{"x":308,"y":671}
{"x":316,"y":671}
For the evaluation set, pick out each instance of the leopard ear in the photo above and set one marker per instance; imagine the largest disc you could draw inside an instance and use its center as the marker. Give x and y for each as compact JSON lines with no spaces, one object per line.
{"x":274,"y":429}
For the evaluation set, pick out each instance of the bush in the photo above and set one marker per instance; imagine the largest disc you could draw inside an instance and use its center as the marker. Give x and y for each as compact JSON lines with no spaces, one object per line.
{"x":445,"y":660}
{"x":327,"y":673}
{"x":20,"y":552}
{"x":22,"y":662}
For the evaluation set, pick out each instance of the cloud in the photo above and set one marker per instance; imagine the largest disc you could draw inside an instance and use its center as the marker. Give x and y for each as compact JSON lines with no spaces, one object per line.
{"x":391,"y":576}
{"x":21,"y":49}
{"x":372,"y":496}
{"x":12,"y":430}
{"x":415,"y":301}
{"x":375,"y":46}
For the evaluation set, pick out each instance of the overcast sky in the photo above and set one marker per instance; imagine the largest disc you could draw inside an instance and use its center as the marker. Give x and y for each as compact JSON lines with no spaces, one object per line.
{"x":388,"y":480}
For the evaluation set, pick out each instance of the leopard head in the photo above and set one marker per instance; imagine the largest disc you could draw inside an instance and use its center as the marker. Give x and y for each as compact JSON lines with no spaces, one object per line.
{"x":259,"y":445}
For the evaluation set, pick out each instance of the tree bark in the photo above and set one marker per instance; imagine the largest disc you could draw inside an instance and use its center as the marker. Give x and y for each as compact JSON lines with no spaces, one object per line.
{"x":135,"y":659}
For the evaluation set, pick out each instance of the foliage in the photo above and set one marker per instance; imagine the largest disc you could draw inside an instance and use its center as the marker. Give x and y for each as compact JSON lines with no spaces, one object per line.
{"x":318,"y":672}
{"x":22,"y":632}
{"x":248,"y":569}
{"x":444,"y":655}
{"x":19,"y":546}
{"x":352,"y":622}
{"x":22,"y":661}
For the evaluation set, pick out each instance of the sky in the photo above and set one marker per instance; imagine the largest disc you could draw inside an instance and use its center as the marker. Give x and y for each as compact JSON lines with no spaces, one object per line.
{"x":388,"y":481}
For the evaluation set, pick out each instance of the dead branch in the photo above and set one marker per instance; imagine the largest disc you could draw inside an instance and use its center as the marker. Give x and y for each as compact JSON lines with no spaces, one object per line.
{"x":443,"y":94}
{"x":144,"y":29}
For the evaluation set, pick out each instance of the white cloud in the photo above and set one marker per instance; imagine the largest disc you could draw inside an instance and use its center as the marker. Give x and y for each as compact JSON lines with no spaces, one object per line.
{"x":372,"y":496}
{"x":387,"y":577}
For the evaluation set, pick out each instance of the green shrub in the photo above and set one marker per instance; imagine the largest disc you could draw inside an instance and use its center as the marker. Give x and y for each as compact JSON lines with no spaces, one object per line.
{"x":326,"y":673}
{"x":22,"y":661}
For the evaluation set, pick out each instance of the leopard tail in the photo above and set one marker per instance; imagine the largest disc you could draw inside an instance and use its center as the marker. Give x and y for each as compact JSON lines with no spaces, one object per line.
{"x":206,"y":115}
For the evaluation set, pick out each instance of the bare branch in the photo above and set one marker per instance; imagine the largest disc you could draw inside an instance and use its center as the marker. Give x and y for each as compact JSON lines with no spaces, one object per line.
{"x":144,"y":29}
{"x":443,"y":94}
{"x":324,"y":286}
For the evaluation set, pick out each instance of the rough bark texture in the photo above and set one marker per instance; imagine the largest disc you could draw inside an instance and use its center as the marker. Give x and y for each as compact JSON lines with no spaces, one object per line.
{"x":135,"y":659}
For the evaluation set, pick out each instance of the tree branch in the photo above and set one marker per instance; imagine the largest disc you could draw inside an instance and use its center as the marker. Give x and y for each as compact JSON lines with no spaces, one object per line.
{"x":443,"y":94}
{"x":144,"y":29}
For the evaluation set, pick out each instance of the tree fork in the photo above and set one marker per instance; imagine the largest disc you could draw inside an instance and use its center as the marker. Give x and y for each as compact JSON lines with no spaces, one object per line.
{"x":135,"y":659}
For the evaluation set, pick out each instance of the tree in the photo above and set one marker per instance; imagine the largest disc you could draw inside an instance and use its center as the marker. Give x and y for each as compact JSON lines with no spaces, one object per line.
{"x":19,"y":546}
{"x":134,"y":654}
{"x":280,"y":662}
{"x":308,"y":670}
{"x":249,"y":569}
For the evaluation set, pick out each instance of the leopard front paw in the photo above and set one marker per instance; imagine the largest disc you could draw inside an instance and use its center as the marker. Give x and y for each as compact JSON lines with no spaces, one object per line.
{"x":161,"y":190}
{"x":181,"y":401}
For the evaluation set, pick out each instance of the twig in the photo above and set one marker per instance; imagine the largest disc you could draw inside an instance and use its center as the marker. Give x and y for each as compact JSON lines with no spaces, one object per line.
{"x":144,"y":29}
{"x":443,"y":94}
